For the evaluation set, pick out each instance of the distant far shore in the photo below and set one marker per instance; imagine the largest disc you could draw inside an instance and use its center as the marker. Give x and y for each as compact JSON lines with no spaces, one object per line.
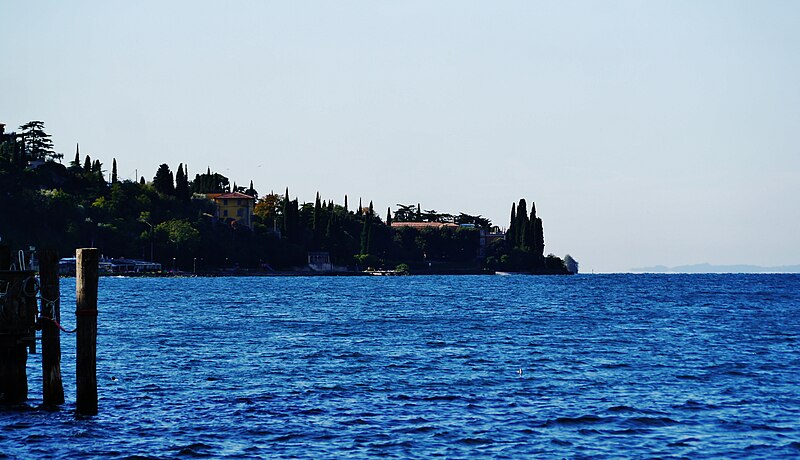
{"x":709,"y":268}
{"x":261,"y":273}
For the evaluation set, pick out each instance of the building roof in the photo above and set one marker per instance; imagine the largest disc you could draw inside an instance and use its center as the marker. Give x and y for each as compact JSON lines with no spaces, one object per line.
{"x":229,"y":196}
{"x":423,"y":224}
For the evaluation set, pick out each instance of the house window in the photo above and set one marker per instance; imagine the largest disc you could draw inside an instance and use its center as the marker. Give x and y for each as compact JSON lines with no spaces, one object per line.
{"x":239,"y":212}
{"x":225,"y":213}
{"x":225,"y":202}
{"x":238,"y":202}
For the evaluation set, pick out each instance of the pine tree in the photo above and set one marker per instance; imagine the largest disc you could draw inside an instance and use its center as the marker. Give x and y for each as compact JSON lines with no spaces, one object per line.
{"x":114,"y":171}
{"x":38,"y":144}
{"x":164,"y":181}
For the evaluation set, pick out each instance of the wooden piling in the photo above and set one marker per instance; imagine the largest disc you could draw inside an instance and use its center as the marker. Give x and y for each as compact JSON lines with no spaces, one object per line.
{"x":52,"y":385}
{"x":17,"y":331}
{"x":86,"y":319}
{"x":5,"y":256}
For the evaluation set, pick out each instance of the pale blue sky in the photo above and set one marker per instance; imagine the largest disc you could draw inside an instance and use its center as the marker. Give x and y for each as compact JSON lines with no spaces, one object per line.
{"x":646,"y":132}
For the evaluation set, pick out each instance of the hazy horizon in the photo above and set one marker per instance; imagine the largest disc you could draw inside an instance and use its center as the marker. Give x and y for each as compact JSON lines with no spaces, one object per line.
{"x":658,"y":133}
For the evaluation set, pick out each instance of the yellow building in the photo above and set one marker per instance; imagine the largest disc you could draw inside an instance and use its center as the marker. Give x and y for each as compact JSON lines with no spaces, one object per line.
{"x":236,"y":206}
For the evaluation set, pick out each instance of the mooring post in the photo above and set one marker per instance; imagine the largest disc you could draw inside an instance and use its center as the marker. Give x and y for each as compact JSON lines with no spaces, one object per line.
{"x":52,"y":386}
{"x":5,"y":256}
{"x":86,"y":320}
{"x":17,"y":328}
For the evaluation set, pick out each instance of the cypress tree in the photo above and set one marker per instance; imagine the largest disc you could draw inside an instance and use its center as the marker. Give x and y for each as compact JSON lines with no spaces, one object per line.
{"x":76,"y":163}
{"x":389,"y":216}
{"x":328,"y":229}
{"x":539,"y":237}
{"x":182,"y":191}
{"x":522,"y":223}
{"x":371,"y":209}
{"x":317,"y":212}
{"x":365,"y":236}
{"x":141,"y":181}
{"x":87,"y":164}
{"x":187,"y":186}
{"x":369,"y":239}
{"x":251,"y":191}
{"x":511,"y":235}
{"x":530,"y":234}
{"x":97,"y":168}
{"x":286,"y":205}
{"x":345,"y":204}
{"x":114,"y":171}
{"x":295,"y":221}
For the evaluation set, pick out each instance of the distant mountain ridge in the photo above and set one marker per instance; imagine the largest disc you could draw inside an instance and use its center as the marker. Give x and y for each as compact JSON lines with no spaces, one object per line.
{"x":708,"y":268}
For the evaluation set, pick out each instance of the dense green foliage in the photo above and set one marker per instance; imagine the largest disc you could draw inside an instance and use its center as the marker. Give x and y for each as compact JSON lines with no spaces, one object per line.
{"x":170,"y":220}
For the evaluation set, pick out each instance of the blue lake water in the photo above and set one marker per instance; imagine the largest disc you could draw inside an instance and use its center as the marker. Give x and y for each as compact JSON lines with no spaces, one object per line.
{"x":589,"y":366}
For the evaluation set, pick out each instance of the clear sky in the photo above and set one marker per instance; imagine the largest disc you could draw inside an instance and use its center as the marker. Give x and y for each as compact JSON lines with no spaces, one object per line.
{"x":646,"y":132}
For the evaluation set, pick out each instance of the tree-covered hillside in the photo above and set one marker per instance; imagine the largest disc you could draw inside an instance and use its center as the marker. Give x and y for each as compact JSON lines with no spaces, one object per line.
{"x":171,"y":220}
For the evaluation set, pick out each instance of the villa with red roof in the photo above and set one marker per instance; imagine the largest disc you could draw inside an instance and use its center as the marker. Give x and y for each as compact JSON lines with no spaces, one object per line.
{"x":236,"y":206}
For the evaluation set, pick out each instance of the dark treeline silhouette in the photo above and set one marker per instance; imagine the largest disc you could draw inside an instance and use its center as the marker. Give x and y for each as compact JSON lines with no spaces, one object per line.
{"x":171,"y":220}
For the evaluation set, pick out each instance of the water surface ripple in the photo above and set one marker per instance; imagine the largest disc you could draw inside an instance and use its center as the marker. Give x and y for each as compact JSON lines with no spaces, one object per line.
{"x":590,"y":366}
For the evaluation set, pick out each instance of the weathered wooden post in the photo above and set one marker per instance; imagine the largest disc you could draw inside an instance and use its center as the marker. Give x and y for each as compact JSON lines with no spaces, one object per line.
{"x":52,"y":386}
{"x":5,"y":256}
{"x":17,"y":328}
{"x":86,"y":320}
